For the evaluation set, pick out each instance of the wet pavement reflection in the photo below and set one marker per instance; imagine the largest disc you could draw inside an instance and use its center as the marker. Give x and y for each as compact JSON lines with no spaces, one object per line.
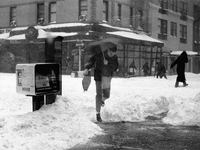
{"x":148,"y":135}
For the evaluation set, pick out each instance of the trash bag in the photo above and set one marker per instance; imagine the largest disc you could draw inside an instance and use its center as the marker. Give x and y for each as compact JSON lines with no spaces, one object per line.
{"x":86,"y":81}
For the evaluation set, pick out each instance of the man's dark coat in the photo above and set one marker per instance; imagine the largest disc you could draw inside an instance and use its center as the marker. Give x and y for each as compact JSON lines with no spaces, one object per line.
{"x":180,"y":62}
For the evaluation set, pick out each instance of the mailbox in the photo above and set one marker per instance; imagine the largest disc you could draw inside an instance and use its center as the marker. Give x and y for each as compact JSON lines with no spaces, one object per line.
{"x":38,"y":78}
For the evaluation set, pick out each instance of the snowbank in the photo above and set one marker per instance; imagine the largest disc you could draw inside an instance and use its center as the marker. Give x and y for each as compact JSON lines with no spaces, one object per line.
{"x":58,"y":126}
{"x":151,"y":98}
{"x":70,"y":120}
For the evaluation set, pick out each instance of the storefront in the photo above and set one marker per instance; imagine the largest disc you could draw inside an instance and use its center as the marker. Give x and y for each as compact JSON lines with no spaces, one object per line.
{"x":133,"y":46}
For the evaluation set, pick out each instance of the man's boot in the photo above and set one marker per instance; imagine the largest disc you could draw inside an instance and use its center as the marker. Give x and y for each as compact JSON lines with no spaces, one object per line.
{"x":99,"y":117}
{"x":185,"y":84}
{"x":176,"y":84}
{"x":102,"y":103}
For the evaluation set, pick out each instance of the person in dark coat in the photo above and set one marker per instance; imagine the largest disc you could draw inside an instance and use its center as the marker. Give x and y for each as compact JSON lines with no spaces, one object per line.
{"x":104,"y":64}
{"x":180,"y":62}
{"x":161,"y":70}
{"x":145,"y":68}
{"x":132,"y":68}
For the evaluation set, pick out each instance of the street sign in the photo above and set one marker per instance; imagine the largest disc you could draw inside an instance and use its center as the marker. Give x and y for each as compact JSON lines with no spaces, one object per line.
{"x":79,"y":43}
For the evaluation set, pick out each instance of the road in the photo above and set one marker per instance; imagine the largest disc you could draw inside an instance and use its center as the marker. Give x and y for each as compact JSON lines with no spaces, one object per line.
{"x":148,"y":135}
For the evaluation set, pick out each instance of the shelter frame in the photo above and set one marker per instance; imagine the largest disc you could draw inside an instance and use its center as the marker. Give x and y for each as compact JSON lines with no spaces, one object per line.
{"x":139,"y":52}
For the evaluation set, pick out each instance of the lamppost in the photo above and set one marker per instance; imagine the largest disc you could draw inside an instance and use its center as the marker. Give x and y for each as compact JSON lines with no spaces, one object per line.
{"x":79,"y":44}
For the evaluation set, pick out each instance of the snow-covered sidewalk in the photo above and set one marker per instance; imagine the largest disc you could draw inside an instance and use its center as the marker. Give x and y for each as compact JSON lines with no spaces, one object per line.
{"x":69,"y":121}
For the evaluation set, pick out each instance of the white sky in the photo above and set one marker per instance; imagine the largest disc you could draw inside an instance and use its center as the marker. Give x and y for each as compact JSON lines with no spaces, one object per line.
{"x":70,"y":120}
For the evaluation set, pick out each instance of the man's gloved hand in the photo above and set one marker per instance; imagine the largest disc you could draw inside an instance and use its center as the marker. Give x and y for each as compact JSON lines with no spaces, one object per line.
{"x":105,"y":62}
{"x":85,"y":72}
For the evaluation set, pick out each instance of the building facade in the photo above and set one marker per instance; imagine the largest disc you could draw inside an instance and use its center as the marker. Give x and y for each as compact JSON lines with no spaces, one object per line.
{"x":32,"y":12}
{"x":169,"y":21}
{"x":172,"y":22}
{"x":196,"y":34}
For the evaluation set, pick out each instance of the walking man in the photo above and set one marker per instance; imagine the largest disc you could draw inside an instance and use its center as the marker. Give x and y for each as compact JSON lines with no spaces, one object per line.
{"x":180,"y":69}
{"x":104,"y":64}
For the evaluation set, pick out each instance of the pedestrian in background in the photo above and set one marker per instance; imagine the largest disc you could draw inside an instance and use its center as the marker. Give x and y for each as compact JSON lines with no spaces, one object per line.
{"x":132,"y":68}
{"x":180,"y":69}
{"x":145,"y":68}
{"x":161,"y":70}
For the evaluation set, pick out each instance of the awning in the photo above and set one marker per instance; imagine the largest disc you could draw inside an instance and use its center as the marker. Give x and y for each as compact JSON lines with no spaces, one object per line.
{"x":4,"y":36}
{"x":179,"y":52}
{"x":115,"y":27}
{"x":43,"y":34}
{"x":51,"y":26}
{"x":135,"y":36}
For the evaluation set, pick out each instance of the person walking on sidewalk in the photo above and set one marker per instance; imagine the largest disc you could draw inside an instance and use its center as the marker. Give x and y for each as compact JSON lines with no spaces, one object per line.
{"x":105,"y":63}
{"x":145,"y":69}
{"x":180,"y":69}
{"x":161,"y":70}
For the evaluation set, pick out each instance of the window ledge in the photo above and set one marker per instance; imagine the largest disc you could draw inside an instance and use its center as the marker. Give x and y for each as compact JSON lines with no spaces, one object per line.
{"x":182,"y":40}
{"x":162,"y":36}
{"x":163,"y":11}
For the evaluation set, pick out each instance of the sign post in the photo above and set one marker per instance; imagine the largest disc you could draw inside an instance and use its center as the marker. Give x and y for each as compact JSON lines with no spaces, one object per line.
{"x":79,"y":44}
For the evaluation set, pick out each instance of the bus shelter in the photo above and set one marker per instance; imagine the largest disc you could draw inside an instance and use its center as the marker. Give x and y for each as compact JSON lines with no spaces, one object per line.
{"x":135,"y":50}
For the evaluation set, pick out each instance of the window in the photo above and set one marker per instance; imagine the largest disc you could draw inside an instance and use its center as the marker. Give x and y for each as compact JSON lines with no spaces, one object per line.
{"x":173,"y":29}
{"x":183,"y":7}
{"x":174,"y":5}
{"x":183,"y":33}
{"x":40,"y":13}
{"x":163,"y":26}
{"x":196,"y":33}
{"x":105,"y":10}
{"x":164,"y":4}
{"x":119,"y":11}
{"x":163,"y":29}
{"x":83,"y":7}
{"x":52,"y":12}
{"x":13,"y":16}
{"x":131,"y":15}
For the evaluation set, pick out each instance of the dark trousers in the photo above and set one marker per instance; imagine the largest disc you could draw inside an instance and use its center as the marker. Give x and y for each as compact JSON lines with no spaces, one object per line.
{"x":98,"y":96}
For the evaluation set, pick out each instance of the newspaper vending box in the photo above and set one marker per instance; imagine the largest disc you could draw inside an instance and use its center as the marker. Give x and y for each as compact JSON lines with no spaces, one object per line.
{"x":38,"y":80}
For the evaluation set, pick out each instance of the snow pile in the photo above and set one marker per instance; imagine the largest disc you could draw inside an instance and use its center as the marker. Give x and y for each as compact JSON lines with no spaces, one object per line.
{"x":183,"y":111}
{"x":70,"y":120}
{"x":56,"y":126}
{"x":12,"y":103}
{"x":151,"y":98}
{"x":140,"y":98}
{"x":138,"y":108}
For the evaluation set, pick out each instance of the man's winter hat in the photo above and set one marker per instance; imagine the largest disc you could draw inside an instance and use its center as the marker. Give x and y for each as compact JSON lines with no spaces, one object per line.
{"x":113,"y":49}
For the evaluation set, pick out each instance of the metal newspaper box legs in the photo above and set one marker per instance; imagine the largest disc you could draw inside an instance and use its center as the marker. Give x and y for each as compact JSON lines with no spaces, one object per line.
{"x":39,"y":101}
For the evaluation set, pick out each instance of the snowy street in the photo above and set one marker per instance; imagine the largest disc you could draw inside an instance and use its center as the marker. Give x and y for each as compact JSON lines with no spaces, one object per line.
{"x":70,"y":120}
{"x":148,"y":135}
